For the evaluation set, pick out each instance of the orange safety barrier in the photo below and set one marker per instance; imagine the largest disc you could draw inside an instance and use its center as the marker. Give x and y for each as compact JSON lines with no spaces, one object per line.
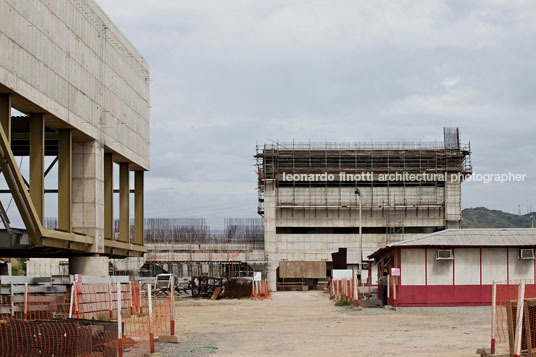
{"x":260,"y":289}
{"x":345,"y":289}
{"x":142,"y":313}
{"x":513,"y":323}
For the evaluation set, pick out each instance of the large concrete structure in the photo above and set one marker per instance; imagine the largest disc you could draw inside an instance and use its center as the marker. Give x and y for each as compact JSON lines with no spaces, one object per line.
{"x":84,"y":90}
{"x":312,"y":205}
{"x":188,"y":247}
{"x":458,"y":266}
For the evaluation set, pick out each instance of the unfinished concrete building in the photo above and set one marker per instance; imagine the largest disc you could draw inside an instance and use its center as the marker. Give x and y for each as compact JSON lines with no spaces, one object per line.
{"x":84,"y":92}
{"x":312,"y":195}
{"x":188,"y":247}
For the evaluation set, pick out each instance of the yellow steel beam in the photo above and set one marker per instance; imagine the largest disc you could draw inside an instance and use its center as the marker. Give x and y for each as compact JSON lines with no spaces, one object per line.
{"x":66,"y":236}
{"x":37,"y":163}
{"x":65,"y":161}
{"x":108,"y":197}
{"x":5,"y":115}
{"x":124,"y":202}
{"x":138,"y":207}
{"x":123,"y":245}
{"x":18,"y":188}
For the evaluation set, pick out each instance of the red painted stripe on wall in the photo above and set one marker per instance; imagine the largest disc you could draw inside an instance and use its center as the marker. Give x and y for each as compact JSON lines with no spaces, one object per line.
{"x":444,"y":295}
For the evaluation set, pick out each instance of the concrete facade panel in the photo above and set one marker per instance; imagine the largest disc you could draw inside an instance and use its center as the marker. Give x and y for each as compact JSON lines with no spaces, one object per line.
{"x":69,"y":59}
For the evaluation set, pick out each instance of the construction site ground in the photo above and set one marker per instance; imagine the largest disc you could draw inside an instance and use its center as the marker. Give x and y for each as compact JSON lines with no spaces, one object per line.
{"x":309,"y":324}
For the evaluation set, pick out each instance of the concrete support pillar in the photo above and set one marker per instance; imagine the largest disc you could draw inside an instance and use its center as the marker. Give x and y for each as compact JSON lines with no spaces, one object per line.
{"x":88,"y":191}
{"x":108,"y":197}
{"x":5,"y":114}
{"x":124,"y":202}
{"x":65,"y":160}
{"x":138,"y":208}
{"x":37,"y":164}
{"x":95,"y":266}
{"x":453,"y":218}
{"x":270,"y":246}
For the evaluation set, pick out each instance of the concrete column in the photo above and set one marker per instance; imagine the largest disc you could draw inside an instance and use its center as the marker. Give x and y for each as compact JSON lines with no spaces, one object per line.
{"x":37,"y":164}
{"x":65,"y":151}
{"x":96,"y":266}
{"x":5,"y":114}
{"x":138,"y":208}
{"x":270,"y":222}
{"x":124,"y":202}
{"x":88,"y":191}
{"x":453,"y":210}
{"x":108,"y":197}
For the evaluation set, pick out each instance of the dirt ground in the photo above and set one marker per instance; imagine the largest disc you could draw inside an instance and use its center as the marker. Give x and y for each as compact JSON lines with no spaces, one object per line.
{"x":309,"y":324}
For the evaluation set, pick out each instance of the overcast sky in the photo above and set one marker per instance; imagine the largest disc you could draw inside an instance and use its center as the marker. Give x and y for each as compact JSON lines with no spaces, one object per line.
{"x":226,"y":75}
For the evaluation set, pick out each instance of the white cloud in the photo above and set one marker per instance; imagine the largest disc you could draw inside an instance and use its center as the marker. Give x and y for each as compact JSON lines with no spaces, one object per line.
{"x":450,"y":82}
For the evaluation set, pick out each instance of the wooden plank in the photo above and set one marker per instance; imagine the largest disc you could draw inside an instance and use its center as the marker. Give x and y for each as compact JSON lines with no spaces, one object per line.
{"x":528,"y":334}
{"x":216,"y":293}
{"x":302,"y":269}
{"x":511,"y":327}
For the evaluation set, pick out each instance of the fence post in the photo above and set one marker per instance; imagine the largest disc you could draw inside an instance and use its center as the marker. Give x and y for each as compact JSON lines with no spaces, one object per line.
{"x":493,"y":315}
{"x":172,"y":308}
{"x":150,"y":307}
{"x":388,"y":288}
{"x":119,"y":322}
{"x":25,"y":301}
{"x":12,"y":302}
{"x":395,"y":302}
{"x":76,"y":300}
{"x":73,"y":288}
{"x":519,"y":320}
{"x":356,"y":291}
{"x":131,"y":298}
{"x":110,"y":306}
{"x":139,"y":298}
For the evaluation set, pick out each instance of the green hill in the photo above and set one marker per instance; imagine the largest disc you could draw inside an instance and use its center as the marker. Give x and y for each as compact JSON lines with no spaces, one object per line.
{"x":481,"y":217}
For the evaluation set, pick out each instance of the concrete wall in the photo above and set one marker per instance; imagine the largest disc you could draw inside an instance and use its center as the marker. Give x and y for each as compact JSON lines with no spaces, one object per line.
{"x":429,"y":215}
{"x":69,"y":59}
{"x":47,"y":266}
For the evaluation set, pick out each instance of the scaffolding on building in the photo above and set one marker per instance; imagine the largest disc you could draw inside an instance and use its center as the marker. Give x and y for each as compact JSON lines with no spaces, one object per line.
{"x":189,"y":247}
{"x":278,"y":161}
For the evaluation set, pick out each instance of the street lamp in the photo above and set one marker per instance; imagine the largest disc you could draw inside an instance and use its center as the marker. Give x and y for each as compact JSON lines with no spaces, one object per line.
{"x":358,"y":193}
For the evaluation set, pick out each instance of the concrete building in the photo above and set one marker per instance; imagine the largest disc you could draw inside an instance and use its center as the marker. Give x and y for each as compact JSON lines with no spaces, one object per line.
{"x":84,"y":92}
{"x":318,"y":197}
{"x":458,"y":266}
{"x":188,"y":247}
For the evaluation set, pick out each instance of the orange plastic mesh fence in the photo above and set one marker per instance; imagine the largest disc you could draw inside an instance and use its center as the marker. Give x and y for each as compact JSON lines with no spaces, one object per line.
{"x":45,"y":315}
{"x":506,"y":317}
{"x":56,"y":338}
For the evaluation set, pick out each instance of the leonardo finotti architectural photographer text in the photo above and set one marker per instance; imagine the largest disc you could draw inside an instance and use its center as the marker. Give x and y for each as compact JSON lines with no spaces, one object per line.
{"x":406,"y":176}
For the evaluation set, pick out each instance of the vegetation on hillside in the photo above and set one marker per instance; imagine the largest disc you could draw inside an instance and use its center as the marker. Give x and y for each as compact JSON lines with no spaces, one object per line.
{"x":481,"y":217}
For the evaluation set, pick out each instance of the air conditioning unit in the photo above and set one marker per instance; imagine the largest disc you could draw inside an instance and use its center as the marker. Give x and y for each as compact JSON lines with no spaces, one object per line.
{"x":443,"y":254}
{"x":526,"y":253}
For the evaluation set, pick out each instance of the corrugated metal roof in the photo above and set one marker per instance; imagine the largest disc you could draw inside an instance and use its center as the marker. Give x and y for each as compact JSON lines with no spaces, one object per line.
{"x":475,"y":237}
{"x":471,"y":237}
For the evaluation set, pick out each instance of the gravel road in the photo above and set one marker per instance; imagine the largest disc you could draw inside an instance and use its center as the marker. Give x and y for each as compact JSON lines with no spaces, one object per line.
{"x":309,"y":324}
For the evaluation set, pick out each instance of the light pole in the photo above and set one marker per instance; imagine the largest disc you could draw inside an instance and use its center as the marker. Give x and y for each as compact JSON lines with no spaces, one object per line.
{"x":358,"y":193}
